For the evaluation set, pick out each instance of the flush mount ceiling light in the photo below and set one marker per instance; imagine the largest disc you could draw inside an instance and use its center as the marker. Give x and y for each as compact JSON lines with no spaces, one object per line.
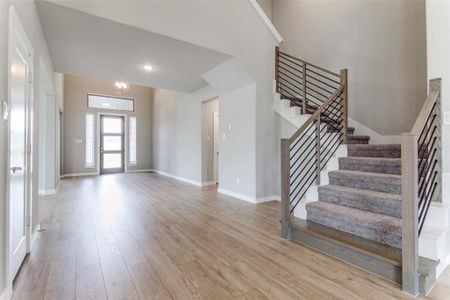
{"x":148,"y":68}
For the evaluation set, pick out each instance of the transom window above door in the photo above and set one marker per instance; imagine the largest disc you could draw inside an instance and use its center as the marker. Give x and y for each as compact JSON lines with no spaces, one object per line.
{"x":109,"y":102}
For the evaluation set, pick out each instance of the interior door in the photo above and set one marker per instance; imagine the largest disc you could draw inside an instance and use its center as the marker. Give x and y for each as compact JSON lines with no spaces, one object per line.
{"x":20,"y":78}
{"x":112,"y":144}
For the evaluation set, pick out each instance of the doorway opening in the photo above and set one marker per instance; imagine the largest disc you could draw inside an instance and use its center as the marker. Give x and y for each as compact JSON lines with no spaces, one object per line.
{"x":112,"y":144}
{"x":216,"y":146}
{"x":210,"y":142}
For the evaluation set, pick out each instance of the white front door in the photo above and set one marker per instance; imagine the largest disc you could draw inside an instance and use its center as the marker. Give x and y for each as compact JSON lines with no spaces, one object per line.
{"x":216,"y":147}
{"x":19,"y":94}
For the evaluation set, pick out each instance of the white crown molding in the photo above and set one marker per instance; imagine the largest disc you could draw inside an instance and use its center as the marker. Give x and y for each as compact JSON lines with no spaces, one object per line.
{"x":266,"y":21}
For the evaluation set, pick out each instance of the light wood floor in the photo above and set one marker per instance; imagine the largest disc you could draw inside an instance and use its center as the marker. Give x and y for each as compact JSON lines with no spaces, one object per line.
{"x":143,"y":236}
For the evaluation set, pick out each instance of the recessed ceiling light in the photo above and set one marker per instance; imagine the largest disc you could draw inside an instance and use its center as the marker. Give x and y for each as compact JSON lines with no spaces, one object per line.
{"x":148,"y":67}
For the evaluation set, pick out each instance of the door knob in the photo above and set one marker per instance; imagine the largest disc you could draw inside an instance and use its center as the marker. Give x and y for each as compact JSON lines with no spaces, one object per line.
{"x":15,"y":169}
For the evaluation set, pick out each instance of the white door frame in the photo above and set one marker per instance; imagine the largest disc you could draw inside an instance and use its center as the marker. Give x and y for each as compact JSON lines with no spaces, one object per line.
{"x":16,"y":31}
{"x":216,"y":147}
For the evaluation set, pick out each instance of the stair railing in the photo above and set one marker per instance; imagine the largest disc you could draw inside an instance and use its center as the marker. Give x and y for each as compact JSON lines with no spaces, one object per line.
{"x":307,"y":152}
{"x":304,"y":84}
{"x":421,"y":181}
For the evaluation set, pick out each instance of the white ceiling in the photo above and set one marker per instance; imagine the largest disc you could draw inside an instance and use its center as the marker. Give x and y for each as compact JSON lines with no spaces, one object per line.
{"x":90,"y":46}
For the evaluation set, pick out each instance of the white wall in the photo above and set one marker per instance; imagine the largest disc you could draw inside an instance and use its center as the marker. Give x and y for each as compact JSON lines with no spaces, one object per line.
{"x":383,"y":45}
{"x":28,"y":15}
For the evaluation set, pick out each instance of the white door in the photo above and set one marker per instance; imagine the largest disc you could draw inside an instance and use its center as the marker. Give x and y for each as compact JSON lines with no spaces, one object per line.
{"x":216,"y":147}
{"x":20,"y":58}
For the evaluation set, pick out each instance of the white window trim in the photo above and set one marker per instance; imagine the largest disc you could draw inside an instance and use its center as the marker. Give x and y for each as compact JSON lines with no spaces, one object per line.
{"x":89,"y":165}
{"x":132,"y":143}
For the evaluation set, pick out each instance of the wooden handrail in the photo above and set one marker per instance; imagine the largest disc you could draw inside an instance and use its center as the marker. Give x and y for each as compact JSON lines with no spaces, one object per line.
{"x":315,"y":115}
{"x":425,"y":112}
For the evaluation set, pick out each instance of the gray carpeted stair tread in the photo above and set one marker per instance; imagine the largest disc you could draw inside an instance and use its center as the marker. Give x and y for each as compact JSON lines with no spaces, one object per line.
{"x":381,"y":150}
{"x":386,"y":183}
{"x":358,"y":139}
{"x":377,"y":227}
{"x":376,"y":202}
{"x":371,"y":164}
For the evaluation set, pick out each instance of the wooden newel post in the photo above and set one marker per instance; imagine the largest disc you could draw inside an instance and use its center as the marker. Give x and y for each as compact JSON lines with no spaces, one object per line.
{"x":344,"y":82}
{"x":285,"y":189}
{"x":410,"y":233}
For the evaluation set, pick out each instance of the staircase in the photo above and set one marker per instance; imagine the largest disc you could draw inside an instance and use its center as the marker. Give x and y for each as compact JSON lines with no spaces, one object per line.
{"x":364,"y":204}
{"x":363,"y":196}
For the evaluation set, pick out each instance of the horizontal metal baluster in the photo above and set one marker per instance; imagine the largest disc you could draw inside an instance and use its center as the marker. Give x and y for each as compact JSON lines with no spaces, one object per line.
{"x":323,"y":76}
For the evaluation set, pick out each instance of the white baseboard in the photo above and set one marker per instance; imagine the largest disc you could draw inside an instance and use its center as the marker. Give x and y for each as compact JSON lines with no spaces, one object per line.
{"x":178,"y":178}
{"x":237,"y":195}
{"x":268,"y":199}
{"x":139,"y":171}
{"x":79,"y":174}
{"x":7,"y":294}
{"x":248,"y":198}
{"x":375,"y":138}
{"x":47,"y":192}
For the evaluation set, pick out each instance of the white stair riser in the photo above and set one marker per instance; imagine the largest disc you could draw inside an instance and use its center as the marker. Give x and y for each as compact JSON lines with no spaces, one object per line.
{"x":291,"y":111}
{"x":437,"y":216}
{"x":312,"y":194}
{"x":433,"y":247}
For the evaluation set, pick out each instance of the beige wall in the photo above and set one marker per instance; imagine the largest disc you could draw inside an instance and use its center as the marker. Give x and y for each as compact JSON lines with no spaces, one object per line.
{"x":75,"y":108}
{"x":382,"y":43}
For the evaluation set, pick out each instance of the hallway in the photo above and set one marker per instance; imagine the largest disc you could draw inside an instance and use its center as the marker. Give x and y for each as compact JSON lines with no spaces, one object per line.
{"x":145,"y":236}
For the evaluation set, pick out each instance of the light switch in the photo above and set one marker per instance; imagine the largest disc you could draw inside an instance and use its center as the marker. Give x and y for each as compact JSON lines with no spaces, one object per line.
{"x":78,"y":141}
{"x":446,"y":117}
{"x":229,"y":127}
{"x":224,"y":136}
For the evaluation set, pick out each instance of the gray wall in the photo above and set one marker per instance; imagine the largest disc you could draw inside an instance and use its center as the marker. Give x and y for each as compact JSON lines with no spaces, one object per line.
{"x":438,"y":48}
{"x":75,"y":108}
{"x":208,"y":156}
{"x":382,"y":43}
{"x":177,"y":133}
{"x":28,"y":15}
{"x":226,"y":35}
